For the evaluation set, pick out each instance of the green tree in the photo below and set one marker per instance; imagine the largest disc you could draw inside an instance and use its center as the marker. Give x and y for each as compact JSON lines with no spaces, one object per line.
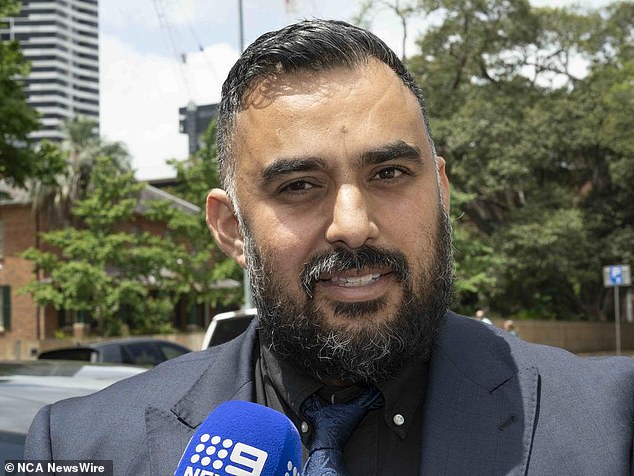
{"x":80,"y":152}
{"x":403,"y":9}
{"x":539,"y":152}
{"x":207,"y":264}
{"x":475,"y":260}
{"x":109,"y":268}
{"x":20,"y":159}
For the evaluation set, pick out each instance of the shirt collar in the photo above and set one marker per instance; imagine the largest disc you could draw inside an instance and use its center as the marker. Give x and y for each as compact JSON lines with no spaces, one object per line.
{"x":403,"y":393}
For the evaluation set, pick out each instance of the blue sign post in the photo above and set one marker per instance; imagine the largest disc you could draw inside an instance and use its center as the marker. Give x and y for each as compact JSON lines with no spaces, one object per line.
{"x":614,"y":277}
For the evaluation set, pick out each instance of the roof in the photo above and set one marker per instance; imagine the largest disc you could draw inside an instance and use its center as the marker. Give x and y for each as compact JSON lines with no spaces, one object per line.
{"x":10,"y":195}
{"x":150,"y":193}
{"x":163,"y":182}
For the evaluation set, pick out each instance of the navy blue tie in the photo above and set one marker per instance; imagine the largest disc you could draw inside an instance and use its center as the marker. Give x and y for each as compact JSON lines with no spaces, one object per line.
{"x":333,"y":426}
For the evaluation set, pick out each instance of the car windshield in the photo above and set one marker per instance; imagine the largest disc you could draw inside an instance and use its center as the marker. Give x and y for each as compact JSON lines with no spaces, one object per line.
{"x":84,"y":354}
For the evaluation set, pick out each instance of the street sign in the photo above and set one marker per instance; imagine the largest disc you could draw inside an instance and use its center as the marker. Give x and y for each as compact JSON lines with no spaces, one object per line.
{"x":617,"y":275}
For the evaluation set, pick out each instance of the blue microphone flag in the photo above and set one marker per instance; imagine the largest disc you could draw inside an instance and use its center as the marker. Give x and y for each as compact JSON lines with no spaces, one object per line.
{"x":243,"y":439}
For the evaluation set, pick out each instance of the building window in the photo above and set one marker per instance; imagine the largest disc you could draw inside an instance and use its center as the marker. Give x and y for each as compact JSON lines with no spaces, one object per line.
{"x":5,"y":307}
{"x":61,"y":318}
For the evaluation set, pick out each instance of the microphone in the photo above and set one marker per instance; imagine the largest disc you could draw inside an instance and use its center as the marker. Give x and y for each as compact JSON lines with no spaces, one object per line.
{"x":243,"y":439}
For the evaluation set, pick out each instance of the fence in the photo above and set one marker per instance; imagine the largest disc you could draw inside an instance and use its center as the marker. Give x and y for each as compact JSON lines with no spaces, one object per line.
{"x":577,"y":337}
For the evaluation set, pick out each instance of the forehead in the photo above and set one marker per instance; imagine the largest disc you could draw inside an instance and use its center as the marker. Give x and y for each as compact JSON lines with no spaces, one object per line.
{"x":332,"y":113}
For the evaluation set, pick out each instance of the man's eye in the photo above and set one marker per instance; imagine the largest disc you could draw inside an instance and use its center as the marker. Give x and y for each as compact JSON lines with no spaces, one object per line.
{"x":298,"y":186}
{"x":388,"y":173}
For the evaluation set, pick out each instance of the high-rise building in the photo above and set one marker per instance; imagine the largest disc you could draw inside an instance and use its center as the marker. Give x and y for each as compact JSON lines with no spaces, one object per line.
{"x":60,"y":38}
{"x":194,"y":121}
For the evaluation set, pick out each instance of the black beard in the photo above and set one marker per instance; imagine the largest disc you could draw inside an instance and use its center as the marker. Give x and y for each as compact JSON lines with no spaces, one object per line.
{"x":371,"y":352}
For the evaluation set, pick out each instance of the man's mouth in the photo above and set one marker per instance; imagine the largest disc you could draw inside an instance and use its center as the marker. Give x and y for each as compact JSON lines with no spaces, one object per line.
{"x":355,"y":285}
{"x":356,"y":275}
{"x":353,"y":281}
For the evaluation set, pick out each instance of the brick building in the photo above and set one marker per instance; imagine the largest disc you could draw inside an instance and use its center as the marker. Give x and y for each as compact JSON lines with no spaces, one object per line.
{"x":21,"y":320}
{"x":18,"y":231}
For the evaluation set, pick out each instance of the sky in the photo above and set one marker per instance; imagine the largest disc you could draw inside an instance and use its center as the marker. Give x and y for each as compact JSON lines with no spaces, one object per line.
{"x":159,"y":55}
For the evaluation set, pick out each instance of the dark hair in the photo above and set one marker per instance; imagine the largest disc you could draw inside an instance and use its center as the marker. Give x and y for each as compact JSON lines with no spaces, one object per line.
{"x":310,"y":45}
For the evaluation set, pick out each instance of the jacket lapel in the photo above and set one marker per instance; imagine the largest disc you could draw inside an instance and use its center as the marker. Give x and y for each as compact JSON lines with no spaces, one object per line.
{"x":229,"y":377}
{"x":480,"y":409}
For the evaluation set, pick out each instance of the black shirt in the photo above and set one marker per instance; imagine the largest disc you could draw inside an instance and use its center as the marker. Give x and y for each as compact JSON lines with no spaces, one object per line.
{"x":387,"y":441}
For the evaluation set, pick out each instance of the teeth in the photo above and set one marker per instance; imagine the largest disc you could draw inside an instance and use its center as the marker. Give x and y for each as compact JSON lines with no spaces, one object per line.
{"x":355,"y":281}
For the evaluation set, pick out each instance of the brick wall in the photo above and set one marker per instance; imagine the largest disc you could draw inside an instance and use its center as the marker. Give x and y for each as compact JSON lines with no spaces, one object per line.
{"x":19,"y":234}
{"x":19,"y":229}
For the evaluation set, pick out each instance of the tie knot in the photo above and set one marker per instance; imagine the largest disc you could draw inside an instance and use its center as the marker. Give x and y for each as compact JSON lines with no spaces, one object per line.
{"x":335,"y":423}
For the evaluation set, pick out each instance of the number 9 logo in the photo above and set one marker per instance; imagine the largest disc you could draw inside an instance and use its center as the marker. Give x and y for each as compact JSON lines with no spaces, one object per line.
{"x":249,"y":457}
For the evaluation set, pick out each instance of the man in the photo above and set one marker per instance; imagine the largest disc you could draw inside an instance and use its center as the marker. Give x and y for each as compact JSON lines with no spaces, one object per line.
{"x":481,"y":316}
{"x":336,"y":203}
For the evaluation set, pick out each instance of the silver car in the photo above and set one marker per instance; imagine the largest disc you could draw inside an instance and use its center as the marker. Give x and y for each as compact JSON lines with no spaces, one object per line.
{"x":25,"y":387}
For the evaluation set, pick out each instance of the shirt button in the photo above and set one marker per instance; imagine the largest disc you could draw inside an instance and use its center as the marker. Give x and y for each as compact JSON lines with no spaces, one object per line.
{"x":304,"y":427}
{"x":398,"y":419}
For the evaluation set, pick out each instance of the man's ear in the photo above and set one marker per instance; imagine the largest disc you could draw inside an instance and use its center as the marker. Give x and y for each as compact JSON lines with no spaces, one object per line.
{"x":443,"y":183}
{"x":223,"y":224}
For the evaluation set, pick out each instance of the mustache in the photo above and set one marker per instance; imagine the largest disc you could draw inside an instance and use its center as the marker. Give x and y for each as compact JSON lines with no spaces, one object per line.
{"x":340,"y":260}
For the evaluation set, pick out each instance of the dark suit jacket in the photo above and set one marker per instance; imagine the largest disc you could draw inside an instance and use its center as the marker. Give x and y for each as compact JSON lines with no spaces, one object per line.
{"x":494,"y":405}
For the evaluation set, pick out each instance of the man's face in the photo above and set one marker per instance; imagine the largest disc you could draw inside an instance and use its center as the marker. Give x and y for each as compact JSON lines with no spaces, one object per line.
{"x":344,"y":210}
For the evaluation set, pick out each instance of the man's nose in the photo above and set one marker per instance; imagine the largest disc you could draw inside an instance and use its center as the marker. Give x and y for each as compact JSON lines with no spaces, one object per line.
{"x":352,"y":219}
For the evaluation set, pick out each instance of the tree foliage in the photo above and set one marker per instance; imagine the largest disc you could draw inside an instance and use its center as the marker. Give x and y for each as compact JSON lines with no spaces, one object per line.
{"x":19,"y":158}
{"x":72,"y":181}
{"x":101,"y":269}
{"x":533,"y":108}
{"x":108,"y":265}
{"x":402,"y":9}
{"x":195,"y":177}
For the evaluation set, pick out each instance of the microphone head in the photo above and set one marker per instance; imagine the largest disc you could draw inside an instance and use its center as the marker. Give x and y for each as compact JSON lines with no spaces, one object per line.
{"x":243,"y":439}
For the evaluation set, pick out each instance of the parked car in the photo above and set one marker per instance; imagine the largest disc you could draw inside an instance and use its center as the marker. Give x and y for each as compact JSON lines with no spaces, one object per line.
{"x":25,"y":387}
{"x":136,"y":351}
{"x":227,"y":325}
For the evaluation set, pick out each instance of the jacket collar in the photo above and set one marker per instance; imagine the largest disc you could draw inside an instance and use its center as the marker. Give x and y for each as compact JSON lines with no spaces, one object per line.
{"x":229,"y":376}
{"x":480,"y":407}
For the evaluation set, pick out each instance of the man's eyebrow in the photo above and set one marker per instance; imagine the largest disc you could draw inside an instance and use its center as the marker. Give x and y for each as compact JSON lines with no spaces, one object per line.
{"x":392,"y":151}
{"x":286,"y":166}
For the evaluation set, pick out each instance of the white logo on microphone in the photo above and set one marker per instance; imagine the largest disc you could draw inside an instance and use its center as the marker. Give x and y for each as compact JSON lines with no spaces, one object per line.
{"x":212,"y":452}
{"x":292,"y":470}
